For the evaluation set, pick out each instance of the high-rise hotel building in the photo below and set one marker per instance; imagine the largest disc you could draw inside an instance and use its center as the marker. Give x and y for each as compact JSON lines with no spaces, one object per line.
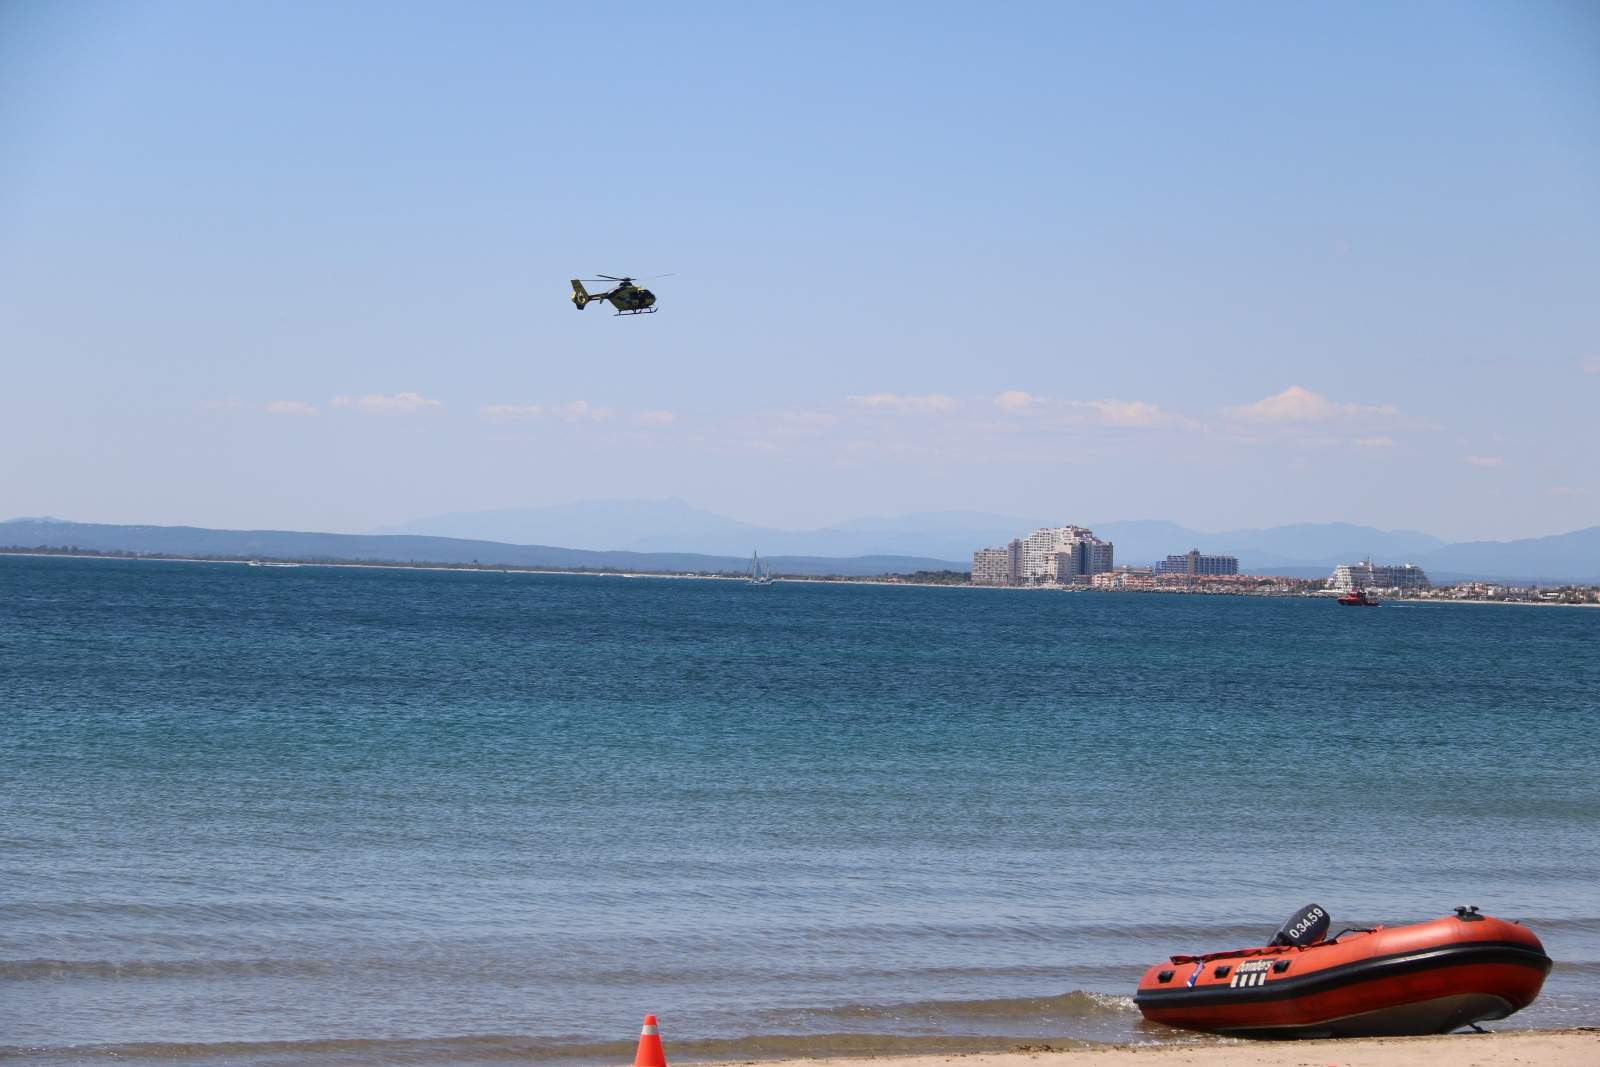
{"x":1194,"y":564}
{"x":1348,"y":577}
{"x":1053,"y":554}
{"x":997,"y":566}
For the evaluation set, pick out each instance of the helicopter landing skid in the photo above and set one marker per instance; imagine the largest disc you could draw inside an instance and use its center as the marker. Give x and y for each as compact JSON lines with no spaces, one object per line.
{"x":638,"y":311}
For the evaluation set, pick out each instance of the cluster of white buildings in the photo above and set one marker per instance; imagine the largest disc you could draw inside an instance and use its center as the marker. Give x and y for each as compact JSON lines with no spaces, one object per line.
{"x":1348,"y":577}
{"x":1193,"y":564}
{"x":1057,"y":555}
{"x":1073,"y":555}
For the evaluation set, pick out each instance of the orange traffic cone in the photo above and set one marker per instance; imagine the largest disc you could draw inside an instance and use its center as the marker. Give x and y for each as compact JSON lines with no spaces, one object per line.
{"x":650,"y":1053}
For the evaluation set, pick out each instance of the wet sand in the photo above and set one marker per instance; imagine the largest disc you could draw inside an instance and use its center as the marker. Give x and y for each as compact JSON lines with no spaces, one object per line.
{"x":1546,"y":1048}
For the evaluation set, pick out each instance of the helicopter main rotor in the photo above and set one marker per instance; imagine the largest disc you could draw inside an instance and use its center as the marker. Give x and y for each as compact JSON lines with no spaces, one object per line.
{"x":631,"y":279}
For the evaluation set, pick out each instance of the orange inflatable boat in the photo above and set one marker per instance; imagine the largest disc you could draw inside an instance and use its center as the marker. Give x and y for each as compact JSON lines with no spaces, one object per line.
{"x":1426,"y":978}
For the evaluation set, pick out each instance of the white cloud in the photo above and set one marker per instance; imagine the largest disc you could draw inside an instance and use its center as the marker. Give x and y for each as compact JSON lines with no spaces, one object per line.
{"x":1124,"y":412}
{"x":381,"y":404}
{"x":931,"y":403}
{"x":1373,"y":442}
{"x":1108,"y":412}
{"x":1294,"y":404}
{"x":1492,"y":462}
{"x":1591,"y":365}
{"x":1017,"y":400}
{"x":1566,"y":490}
{"x":1299,"y":404}
{"x":572,"y":411}
{"x":581,"y":411}
{"x":655,"y":418}
{"x":289,"y":407}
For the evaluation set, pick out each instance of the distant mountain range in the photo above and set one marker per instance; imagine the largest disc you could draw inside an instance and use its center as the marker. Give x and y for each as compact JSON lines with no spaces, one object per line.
{"x":1299,"y":549}
{"x":669,"y":535}
{"x":197,"y":541}
{"x":674,"y":526}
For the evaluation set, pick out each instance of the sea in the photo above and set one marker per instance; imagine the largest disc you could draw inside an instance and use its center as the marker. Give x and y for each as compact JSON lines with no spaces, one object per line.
{"x":341,"y":815}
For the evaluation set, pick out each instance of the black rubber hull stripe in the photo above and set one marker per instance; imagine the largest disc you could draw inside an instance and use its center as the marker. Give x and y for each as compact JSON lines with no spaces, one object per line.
{"x":1458,"y":955}
{"x":1438,"y":1016}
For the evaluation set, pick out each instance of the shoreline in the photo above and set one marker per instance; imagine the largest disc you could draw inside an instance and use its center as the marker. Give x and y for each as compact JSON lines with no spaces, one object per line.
{"x":1569,"y":1047}
{"x":1550,"y":1047}
{"x":809,"y":579}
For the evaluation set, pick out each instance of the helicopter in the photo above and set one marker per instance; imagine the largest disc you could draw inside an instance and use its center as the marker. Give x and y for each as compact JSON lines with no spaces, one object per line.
{"x":626,"y":297}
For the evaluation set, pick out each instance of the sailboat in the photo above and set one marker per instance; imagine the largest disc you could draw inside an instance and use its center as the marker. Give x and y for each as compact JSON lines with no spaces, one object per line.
{"x":757,"y":574}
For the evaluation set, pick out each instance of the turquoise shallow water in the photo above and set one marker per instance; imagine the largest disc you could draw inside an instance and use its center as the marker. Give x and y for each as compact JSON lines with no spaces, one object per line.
{"x":324,"y":815}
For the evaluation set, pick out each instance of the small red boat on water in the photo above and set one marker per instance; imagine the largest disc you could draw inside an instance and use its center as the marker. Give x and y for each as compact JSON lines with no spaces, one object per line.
{"x":1358,"y":598}
{"x":1425,"y":978}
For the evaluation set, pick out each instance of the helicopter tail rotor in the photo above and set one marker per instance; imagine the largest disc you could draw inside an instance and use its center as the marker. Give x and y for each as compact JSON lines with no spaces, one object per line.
{"x":580,"y":295}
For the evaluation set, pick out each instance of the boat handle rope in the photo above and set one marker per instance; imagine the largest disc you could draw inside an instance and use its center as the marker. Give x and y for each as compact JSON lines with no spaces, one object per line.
{"x":1350,"y":930}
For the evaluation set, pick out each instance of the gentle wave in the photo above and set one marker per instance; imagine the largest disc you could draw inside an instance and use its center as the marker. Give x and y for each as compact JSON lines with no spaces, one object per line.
{"x":23,"y":970}
{"x":1053,"y":932}
{"x":486,"y":968}
{"x":1020,"y":930}
{"x":494,"y":1048}
{"x":183,"y":911}
{"x":1587,"y":967}
{"x":1581,"y":924}
{"x":1237,"y":934}
{"x":1077,"y":1004}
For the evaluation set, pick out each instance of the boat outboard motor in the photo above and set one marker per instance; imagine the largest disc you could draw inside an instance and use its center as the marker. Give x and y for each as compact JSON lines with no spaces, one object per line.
{"x":1305,"y":927}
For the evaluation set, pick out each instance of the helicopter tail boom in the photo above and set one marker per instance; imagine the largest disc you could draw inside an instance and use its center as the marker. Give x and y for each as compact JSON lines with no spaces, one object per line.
{"x":580,"y":295}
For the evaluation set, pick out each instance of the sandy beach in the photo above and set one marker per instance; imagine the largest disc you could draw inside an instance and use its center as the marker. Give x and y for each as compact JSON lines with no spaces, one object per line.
{"x":1578,"y":1047}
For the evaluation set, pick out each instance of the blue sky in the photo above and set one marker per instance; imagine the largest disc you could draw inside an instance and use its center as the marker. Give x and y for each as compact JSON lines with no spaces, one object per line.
{"x":1229,"y":264}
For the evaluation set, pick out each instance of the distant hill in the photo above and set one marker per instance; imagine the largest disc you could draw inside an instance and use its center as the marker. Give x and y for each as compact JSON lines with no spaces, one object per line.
{"x":1278,"y":548}
{"x":675,"y":526}
{"x":672,"y":536}
{"x":405,"y":548}
{"x":1574,"y":556}
{"x":1308,"y":550}
{"x":949,"y":534}
{"x":601,"y":525}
